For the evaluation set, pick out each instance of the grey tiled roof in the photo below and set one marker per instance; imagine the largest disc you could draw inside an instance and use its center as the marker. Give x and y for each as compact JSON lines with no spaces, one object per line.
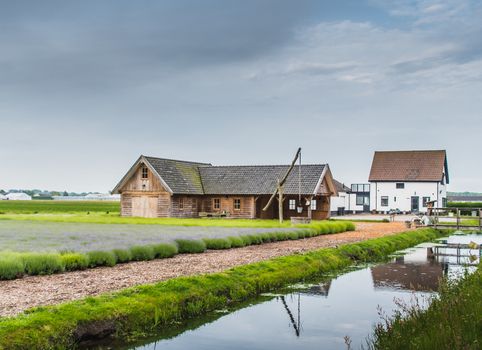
{"x":261,"y":179}
{"x":181,"y":176}
{"x":201,"y":178}
{"x":340,"y":187}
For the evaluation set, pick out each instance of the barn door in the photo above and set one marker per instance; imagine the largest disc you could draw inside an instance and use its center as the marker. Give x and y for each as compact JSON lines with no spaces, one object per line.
{"x":144,"y":206}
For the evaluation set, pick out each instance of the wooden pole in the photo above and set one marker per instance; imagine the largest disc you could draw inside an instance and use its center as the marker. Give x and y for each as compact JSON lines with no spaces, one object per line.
{"x":480,"y":220}
{"x":280,"y":202}
{"x":458,"y":218}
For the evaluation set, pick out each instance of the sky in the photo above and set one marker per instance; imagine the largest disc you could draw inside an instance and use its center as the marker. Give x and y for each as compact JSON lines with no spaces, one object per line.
{"x":88,"y":86}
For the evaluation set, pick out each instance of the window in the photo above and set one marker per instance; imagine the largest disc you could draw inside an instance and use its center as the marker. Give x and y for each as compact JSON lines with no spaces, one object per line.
{"x":425,"y":200}
{"x":359,"y":199}
{"x":313,"y":204}
{"x":145,"y":172}
{"x":366,"y":188}
{"x":400,"y":185}
{"x":360,"y":188}
{"x":181,"y":203}
{"x":292,"y":204}
{"x":216,"y":204}
{"x":384,"y":201}
{"x":394,"y":199}
{"x":354,"y":188}
{"x":444,"y":202}
{"x":237,"y":204}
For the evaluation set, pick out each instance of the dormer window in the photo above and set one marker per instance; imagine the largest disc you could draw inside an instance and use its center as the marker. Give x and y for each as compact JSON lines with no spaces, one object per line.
{"x":145,"y":173}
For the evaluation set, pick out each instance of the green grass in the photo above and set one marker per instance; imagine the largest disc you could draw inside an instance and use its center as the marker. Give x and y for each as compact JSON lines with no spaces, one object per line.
{"x":11,"y":266}
{"x":464,"y":205}
{"x":122,"y":255}
{"x":452,"y":321}
{"x":142,"y":310}
{"x":55,"y":207}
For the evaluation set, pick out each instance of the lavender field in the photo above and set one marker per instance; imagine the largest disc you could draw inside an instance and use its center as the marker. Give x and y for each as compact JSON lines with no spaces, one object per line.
{"x":83,"y":237}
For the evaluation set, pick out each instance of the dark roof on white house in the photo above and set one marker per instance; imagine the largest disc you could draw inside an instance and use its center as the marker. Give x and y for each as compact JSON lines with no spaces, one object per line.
{"x":183,"y":177}
{"x":340,"y":187}
{"x":414,"y":166}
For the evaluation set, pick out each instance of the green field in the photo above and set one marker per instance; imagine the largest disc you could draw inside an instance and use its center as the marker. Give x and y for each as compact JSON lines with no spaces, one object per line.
{"x":56,"y":207}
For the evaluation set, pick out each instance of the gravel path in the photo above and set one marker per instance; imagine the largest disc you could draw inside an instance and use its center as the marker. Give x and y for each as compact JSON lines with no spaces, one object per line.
{"x":21,"y":294}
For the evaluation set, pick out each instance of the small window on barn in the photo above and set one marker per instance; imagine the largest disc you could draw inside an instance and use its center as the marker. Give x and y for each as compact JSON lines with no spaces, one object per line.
{"x":384,"y":202}
{"x":292,"y":204}
{"x":145,"y":172}
{"x":216,"y":203}
{"x":237,"y":204}
{"x":400,"y":185}
{"x":181,"y":203}
{"x":313,"y":204}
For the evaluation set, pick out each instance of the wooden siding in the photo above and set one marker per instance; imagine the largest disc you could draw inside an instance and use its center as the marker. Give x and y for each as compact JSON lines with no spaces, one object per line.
{"x":190,"y":206}
{"x":144,"y":197}
{"x":247,"y":210}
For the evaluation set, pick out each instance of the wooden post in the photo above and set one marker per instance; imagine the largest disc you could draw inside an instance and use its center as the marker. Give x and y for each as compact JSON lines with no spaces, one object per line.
{"x":309,"y":208}
{"x":480,"y":220}
{"x":458,"y":218}
{"x":280,"y":202}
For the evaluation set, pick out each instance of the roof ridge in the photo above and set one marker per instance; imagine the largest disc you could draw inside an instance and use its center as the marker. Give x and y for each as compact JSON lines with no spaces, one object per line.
{"x":178,"y":160}
{"x":413,"y":150}
{"x":264,"y":165}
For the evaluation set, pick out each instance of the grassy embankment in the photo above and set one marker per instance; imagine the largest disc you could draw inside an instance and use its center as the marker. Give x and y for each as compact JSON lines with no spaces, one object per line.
{"x":140,"y":311}
{"x":16,"y":264}
{"x":452,"y":321}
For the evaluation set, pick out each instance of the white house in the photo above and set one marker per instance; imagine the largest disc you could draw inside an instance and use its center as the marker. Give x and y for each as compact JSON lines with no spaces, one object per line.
{"x":350,"y":200}
{"x":407,"y":180}
{"x":2,"y":197}
{"x":18,"y":196}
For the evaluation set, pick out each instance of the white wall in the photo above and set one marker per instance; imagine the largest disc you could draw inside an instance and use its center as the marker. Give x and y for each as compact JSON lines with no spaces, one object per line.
{"x":401,"y":198}
{"x":347,"y":201}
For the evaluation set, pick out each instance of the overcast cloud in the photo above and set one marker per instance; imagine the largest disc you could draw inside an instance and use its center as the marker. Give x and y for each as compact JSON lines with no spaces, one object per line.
{"x":88,"y":86}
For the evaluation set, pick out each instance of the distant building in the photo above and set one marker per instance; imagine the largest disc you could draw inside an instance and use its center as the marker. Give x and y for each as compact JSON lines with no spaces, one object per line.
{"x":2,"y":197}
{"x":465,"y":199}
{"x":407,"y":180}
{"x":89,"y":197}
{"x":18,"y":196}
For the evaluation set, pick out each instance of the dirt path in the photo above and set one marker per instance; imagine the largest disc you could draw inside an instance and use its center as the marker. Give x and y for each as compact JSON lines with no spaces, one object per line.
{"x":21,"y":294}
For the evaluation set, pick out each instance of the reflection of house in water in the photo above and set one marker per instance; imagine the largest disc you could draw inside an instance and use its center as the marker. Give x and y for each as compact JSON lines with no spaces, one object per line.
{"x":409,"y":273}
{"x":321,"y":288}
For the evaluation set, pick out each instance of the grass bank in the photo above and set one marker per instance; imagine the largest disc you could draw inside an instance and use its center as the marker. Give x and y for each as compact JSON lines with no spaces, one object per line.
{"x":53,"y":207}
{"x":452,"y":321}
{"x":17,"y":264}
{"x":140,"y":311}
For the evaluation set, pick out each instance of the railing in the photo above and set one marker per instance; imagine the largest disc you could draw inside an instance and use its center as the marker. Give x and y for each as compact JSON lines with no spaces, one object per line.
{"x":459,"y":218}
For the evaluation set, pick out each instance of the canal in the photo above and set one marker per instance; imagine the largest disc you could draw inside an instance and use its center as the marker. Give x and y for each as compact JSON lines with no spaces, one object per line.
{"x":325,"y":314}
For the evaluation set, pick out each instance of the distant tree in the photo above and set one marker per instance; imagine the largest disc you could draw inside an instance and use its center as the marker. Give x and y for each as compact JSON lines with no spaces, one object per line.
{"x":3,"y":192}
{"x":66,"y":193}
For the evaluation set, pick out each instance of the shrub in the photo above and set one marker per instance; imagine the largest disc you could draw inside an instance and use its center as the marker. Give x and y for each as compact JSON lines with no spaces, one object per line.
{"x":164,"y":250}
{"x":217,"y":243}
{"x":190,"y":246}
{"x":74,"y":261}
{"x":100,"y":258}
{"x":42,"y":263}
{"x":256,"y":239}
{"x":236,"y":242}
{"x":265,"y":237}
{"x":142,"y":252}
{"x":293,"y":235}
{"x":122,"y":255}
{"x":11,"y":266}
{"x":281,"y":236}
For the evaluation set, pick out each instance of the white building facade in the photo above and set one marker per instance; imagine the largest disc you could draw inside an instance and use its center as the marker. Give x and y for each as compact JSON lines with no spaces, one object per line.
{"x":408,"y":180}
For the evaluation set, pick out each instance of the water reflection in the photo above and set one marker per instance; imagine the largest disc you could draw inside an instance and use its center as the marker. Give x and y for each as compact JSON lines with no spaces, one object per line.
{"x":320,"y":315}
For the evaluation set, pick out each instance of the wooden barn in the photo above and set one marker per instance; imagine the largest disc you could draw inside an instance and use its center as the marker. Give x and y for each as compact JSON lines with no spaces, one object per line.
{"x":157,"y":187}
